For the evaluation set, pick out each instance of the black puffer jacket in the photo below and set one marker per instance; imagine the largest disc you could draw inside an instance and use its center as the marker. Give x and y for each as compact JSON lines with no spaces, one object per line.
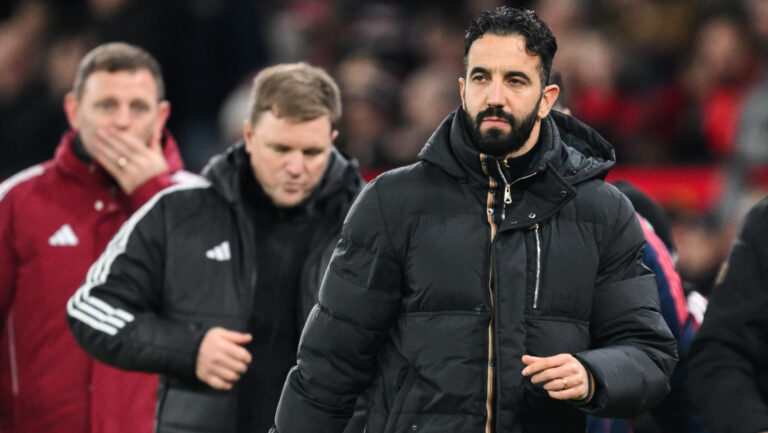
{"x":728,"y":372}
{"x":432,"y":298}
{"x":184,"y":263}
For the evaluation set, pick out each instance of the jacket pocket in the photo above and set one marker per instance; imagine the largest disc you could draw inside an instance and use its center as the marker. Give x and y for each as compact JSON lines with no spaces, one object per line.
{"x":533,"y":244}
{"x":188,"y":409}
{"x":407,"y":378}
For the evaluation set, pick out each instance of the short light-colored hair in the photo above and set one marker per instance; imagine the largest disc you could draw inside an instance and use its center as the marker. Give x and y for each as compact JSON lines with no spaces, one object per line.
{"x":297,"y":91}
{"x":114,"y":57}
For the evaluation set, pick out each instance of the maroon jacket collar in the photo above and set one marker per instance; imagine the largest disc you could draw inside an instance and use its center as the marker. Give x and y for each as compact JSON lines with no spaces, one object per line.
{"x":67,"y":161}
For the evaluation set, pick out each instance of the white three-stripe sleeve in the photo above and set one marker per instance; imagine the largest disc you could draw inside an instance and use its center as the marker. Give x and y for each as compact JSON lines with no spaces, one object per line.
{"x":85,"y":305}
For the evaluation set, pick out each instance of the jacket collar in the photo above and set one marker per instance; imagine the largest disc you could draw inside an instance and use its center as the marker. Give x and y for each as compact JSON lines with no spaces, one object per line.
{"x":226,"y":171}
{"x":566,"y":145}
{"x":569,"y":153}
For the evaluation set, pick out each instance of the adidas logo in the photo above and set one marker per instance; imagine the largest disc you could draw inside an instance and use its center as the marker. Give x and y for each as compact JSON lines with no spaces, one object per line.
{"x":64,"y":237}
{"x":220,"y":252}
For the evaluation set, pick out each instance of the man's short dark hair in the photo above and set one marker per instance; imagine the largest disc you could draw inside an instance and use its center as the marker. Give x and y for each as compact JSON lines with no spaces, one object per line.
{"x":507,"y":21}
{"x":298,"y":91}
{"x":114,"y":57}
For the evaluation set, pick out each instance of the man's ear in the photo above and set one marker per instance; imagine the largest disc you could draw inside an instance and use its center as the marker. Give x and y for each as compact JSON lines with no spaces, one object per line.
{"x":248,"y":135}
{"x":462,"y":83}
{"x":548,"y":99}
{"x":71,"y":106}
{"x":334,"y":135}
{"x":163,"y":112}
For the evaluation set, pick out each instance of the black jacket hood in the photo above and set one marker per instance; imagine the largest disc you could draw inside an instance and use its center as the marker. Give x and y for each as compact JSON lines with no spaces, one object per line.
{"x":574,"y":150}
{"x":226,"y":169}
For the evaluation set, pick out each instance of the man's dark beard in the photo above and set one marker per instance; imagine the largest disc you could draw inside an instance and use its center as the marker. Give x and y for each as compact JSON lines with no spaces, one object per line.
{"x":494,"y":141}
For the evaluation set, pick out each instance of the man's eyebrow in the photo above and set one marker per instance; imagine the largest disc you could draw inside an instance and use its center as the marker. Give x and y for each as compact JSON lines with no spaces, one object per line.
{"x":518,"y":74}
{"x":478,"y":70}
{"x":508,"y":74}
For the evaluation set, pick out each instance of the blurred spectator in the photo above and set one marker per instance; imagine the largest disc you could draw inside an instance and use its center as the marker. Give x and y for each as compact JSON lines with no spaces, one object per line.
{"x":702,"y":245}
{"x":427,"y":96}
{"x":369,"y":93}
{"x":698,"y":113}
{"x":23,"y":96}
{"x":746,"y":169}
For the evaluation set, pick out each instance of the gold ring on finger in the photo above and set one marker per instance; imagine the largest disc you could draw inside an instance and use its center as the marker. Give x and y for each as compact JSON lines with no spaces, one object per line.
{"x":565,"y":383}
{"x":122,"y":162}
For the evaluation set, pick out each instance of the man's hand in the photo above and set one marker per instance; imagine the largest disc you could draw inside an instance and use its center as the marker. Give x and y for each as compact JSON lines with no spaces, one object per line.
{"x":127,"y":158}
{"x":222,"y":359}
{"x":562,"y":376}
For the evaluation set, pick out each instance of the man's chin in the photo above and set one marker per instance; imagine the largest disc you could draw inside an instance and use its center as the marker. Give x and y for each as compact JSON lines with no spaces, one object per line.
{"x":495,"y":132}
{"x":288,"y":200}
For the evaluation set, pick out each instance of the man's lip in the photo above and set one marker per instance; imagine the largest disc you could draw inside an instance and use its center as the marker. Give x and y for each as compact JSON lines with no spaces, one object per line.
{"x":495,"y":121}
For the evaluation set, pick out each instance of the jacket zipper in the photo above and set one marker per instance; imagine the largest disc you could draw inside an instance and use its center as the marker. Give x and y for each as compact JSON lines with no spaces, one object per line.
{"x":507,"y":191}
{"x":492,"y":224}
{"x":535,"y":228}
{"x":508,"y":188}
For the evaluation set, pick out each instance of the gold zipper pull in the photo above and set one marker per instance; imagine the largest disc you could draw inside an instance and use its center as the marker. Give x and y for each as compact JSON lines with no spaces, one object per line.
{"x":507,"y":195}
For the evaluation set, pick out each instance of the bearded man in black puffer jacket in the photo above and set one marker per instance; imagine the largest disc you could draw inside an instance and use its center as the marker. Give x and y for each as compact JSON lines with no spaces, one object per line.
{"x":497,"y":284}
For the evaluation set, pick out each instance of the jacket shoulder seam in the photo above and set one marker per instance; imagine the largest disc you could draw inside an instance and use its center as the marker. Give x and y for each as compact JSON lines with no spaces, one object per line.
{"x":19,"y":178}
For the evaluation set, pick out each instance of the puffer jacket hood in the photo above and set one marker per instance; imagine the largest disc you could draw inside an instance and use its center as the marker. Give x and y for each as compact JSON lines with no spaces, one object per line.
{"x":338,"y":176}
{"x":569,"y":147}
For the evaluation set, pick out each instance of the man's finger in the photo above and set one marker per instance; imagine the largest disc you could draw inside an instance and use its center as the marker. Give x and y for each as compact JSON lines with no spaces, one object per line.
{"x":124,"y":141}
{"x":563,"y":383}
{"x":236,"y":352}
{"x":217,"y":383}
{"x":226,"y":360}
{"x":552,"y":374}
{"x":226,"y":374}
{"x":235,"y":337}
{"x":575,"y":393}
{"x":542,"y":364}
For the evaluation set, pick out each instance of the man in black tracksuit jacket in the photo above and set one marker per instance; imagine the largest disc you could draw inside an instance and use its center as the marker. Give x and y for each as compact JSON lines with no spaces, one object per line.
{"x":729,"y":372}
{"x":497,"y":284}
{"x":210,"y":283}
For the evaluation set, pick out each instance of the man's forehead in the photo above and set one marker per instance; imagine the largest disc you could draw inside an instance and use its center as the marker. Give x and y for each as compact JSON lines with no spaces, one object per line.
{"x":125,"y":81}
{"x":500,"y":51}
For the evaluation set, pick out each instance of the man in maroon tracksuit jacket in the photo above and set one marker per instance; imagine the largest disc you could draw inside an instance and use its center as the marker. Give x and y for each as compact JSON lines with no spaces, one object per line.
{"x":55,"y":219}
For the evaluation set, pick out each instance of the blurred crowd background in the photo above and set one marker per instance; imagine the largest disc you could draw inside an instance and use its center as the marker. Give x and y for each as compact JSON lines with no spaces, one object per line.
{"x":679,"y":87}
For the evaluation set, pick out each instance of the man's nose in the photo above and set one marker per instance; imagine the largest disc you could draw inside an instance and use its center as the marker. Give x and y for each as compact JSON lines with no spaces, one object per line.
{"x":294,"y":164}
{"x":122,"y":118}
{"x":495,"y":94}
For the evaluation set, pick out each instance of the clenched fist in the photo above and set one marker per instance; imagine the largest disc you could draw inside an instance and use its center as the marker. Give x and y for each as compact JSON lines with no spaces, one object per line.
{"x":222,"y":359}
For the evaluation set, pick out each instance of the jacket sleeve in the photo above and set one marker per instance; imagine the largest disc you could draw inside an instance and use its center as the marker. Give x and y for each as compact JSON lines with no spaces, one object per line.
{"x":115,"y":315}
{"x":634,"y":351}
{"x":359,"y":300}
{"x":729,"y":353}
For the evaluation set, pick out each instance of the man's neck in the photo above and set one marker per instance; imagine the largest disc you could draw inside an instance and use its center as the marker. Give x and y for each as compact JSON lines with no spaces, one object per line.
{"x":79,"y":149}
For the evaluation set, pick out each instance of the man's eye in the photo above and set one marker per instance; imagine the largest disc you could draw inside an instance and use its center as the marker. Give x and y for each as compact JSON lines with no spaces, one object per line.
{"x":478,"y":78}
{"x":140,"y":108}
{"x":106,"y":105}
